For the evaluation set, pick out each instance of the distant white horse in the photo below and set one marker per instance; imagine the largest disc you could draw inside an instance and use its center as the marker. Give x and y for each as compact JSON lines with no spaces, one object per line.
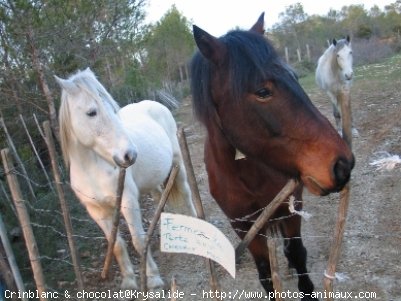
{"x":334,"y":74}
{"x":97,"y":137}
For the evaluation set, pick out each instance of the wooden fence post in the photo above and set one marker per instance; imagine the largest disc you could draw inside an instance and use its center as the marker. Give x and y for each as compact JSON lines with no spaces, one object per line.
{"x":287,"y":56}
{"x":196,"y":198}
{"x":190,"y":173}
{"x":271,"y":244}
{"x":173,"y":289}
{"x":17,"y":157}
{"x":346,"y":115}
{"x":36,"y":152}
{"x":11,"y":259}
{"x":344,"y":200}
{"x":287,"y":190}
{"x":25,"y":223}
{"x":115,"y":223}
{"x":299,"y":55}
{"x":308,"y":55}
{"x":63,"y":204}
{"x":152,"y":226}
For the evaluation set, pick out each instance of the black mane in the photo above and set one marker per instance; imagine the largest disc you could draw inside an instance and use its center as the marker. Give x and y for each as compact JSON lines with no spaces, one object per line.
{"x":251,"y":60}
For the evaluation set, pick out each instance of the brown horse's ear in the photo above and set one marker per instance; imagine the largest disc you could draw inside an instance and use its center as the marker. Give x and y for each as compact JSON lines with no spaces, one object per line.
{"x":258,"y":27}
{"x":211,"y":47}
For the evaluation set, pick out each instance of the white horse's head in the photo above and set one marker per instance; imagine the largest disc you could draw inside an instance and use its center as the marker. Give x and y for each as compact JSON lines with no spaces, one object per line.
{"x":88,"y":116}
{"x":344,"y":57}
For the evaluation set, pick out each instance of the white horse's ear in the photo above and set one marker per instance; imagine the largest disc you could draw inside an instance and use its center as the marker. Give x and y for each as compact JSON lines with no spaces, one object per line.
{"x":67,"y":85}
{"x":348,"y":39}
{"x":89,"y":72}
{"x":334,"y":42}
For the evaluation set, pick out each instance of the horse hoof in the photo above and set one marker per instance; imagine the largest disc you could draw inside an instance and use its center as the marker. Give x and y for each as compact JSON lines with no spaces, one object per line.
{"x":129,"y":284}
{"x":155,"y":282}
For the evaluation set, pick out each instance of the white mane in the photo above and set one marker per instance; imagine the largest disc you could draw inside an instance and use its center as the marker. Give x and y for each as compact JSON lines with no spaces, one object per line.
{"x":328,"y":53}
{"x":83,"y":82}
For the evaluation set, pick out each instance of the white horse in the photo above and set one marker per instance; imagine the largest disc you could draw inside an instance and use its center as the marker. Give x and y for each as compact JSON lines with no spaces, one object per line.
{"x":334,"y":74}
{"x":97,"y":137}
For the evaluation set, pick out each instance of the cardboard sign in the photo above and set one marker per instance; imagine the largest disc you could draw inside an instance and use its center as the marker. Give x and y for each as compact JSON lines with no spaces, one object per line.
{"x":185,"y":234}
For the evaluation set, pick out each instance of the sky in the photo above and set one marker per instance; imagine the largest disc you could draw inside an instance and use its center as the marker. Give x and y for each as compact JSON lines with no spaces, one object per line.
{"x":219,"y":16}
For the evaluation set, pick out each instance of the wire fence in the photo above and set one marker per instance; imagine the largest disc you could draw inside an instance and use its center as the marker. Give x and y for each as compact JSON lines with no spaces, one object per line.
{"x":46,"y":219}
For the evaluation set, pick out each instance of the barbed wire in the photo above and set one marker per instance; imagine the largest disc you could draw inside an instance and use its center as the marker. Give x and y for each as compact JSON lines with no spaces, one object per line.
{"x":44,"y":214}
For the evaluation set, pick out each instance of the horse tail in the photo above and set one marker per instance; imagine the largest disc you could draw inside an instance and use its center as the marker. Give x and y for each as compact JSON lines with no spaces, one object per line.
{"x":180,"y":197}
{"x":180,"y":194}
{"x":167,"y":99}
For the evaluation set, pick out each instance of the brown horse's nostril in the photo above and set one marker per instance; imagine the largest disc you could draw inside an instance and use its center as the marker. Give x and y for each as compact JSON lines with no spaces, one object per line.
{"x":342,"y":171}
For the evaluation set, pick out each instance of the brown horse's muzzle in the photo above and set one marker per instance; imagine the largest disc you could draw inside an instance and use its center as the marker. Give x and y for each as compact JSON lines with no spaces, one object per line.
{"x":338,"y":177}
{"x":342,"y":171}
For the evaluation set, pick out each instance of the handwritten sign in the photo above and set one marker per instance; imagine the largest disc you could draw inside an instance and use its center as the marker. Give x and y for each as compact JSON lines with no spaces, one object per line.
{"x":185,"y":234}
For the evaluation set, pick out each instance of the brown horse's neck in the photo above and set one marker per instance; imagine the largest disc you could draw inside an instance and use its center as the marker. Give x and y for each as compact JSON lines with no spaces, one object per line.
{"x":247,"y":181}
{"x":219,"y":151}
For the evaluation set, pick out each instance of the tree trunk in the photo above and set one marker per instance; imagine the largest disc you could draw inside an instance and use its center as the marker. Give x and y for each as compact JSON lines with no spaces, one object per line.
{"x":37,"y":66}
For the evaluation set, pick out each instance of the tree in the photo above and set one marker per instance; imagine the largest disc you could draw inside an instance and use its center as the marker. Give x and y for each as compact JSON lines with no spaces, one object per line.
{"x":169,"y":46}
{"x":45,"y":37}
{"x":393,"y":17}
{"x":356,"y":21}
{"x":292,"y":20}
{"x":381,"y":30}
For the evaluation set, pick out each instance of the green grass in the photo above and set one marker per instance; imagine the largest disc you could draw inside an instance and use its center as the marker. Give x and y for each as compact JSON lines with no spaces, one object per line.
{"x":308,"y":82}
{"x":383,"y":74}
{"x":385,"y":71}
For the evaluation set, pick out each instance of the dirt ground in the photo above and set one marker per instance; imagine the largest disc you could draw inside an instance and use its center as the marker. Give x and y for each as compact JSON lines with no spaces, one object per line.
{"x":371,"y":250}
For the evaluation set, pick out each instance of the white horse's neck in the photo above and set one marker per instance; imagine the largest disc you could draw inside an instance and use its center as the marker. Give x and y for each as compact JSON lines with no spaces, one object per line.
{"x":91,"y":176}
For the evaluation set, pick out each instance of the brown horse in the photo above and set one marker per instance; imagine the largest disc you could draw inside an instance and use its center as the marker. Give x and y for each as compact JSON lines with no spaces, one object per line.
{"x":252,"y":104}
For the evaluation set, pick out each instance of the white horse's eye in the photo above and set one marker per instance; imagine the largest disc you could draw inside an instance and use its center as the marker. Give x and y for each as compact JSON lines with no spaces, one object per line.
{"x":91,"y":113}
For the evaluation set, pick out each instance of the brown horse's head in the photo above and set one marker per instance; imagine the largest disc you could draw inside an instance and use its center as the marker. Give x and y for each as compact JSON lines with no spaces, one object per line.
{"x":240,"y":85}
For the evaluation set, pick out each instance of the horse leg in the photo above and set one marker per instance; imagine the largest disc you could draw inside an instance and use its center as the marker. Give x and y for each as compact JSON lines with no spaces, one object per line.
{"x":337,"y":117}
{"x":296,"y":254}
{"x":336,"y":111}
{"x":132,"y":213}
{"x":103,"y":217}
{"x":354,"y":130}
{"x":260,"y":253}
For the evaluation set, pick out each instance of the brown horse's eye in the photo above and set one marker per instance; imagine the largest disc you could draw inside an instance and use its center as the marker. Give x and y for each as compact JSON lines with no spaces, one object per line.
{"x":263,"y":94}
